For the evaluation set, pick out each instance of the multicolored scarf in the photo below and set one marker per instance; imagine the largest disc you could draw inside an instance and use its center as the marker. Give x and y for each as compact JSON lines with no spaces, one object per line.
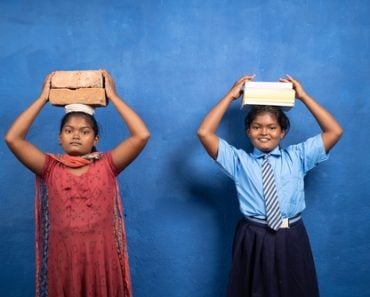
{"x":43,"y":226}
{"x":76,"y":162}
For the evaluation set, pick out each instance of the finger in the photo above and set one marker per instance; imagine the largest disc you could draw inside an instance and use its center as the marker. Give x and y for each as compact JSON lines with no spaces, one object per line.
{"x":249,"y":77}
{"x":292,"y":79}
{"x":51,"y":76}
{"x":246,"y":77}
{"x":289,"y":76}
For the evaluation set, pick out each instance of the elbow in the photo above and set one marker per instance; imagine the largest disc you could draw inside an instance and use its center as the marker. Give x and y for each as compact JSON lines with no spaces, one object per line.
{"x":339,"y":132}
{"x":147,"y":136}
{"x":202,"y":133}
{"x":331,"y":138}
{"x":144,"y":137}
{"x":6,"y":139}
{"x":140,"y":139}
{"x":9,"y":140}
{"x":12,"y":142}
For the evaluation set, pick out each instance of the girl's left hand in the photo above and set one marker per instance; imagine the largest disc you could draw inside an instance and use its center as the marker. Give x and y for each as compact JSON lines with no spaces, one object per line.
{"x":109,"y":85}
{"x":299,"y":91}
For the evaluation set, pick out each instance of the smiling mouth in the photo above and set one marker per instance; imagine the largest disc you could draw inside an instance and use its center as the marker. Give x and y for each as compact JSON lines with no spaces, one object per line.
{"x":75,"y":143}
{"x":263,"y":139}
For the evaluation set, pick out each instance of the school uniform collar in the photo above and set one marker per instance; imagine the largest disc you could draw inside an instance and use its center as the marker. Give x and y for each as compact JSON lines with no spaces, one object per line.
{"x":257,"y":154}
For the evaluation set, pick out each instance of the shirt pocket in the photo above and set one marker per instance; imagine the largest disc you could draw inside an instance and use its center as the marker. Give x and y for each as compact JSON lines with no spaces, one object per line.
{"x":290,"y":192}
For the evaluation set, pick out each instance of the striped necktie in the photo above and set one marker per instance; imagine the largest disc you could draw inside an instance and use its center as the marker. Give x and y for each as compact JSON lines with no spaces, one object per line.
{"x":273,"y":214}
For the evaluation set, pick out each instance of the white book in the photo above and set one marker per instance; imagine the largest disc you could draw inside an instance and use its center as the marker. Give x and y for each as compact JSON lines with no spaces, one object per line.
{"x":268,"y":85}
{"x":268,"y":93}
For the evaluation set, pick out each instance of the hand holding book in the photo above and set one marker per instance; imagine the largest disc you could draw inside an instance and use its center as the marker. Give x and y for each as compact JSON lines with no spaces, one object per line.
{"x":299,"y":91}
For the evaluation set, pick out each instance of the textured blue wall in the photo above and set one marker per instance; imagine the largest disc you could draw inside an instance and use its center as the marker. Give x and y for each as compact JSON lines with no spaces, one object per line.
{"x":172,"y":61}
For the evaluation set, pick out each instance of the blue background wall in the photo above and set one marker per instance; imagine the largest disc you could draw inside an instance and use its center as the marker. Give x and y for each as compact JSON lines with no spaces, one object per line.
{"x":172,"y":61}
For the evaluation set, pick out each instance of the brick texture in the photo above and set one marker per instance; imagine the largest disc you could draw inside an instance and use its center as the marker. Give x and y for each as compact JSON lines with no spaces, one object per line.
{"x":77,"y":79}
{"x":84,"y":86}
{"x":89,"y":96}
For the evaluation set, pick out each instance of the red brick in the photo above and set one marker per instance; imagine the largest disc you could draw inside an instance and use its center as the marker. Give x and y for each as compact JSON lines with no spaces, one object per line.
{"x":77,"y":79}
{"x":89,"y":96}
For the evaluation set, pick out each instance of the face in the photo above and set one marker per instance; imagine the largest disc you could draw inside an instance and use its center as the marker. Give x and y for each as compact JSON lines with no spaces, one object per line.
{"x":77,"y":136}
{"x":265,"y":132}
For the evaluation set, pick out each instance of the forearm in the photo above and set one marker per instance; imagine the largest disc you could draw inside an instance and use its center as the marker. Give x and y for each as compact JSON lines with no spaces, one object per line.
{"x":212,"y":120}
{"x":129,"y":148}
{"x":21,"y":126}
{"x":134,"y":123}
{"x":208,"y":127}
{"x":325,"y":120}
{"x":331,"y":129}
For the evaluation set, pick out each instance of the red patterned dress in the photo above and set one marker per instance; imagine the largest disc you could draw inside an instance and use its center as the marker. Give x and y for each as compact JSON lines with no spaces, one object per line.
{"x":80,"y":238}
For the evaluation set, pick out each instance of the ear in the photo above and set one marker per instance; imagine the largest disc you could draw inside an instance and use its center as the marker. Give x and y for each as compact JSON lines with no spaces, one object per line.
{"x":247,"y":132}
{"x":96,"y":140}
{"x":282,"y":134}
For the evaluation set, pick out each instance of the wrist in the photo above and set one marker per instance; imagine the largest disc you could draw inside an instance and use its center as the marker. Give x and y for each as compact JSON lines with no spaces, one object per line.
{"x":114,"y":97}
{"x":303,"y":96}
{"x":230,"y":97}
{"x":43,"y":99}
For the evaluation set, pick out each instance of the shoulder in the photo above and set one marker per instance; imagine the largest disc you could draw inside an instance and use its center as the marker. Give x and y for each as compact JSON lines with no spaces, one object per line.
{"x":49,"y":165}
{"x":226,"y":145}
{"x":313,"y":144}
{"x":308,"y":153}
{"x":226,"y":148}
{"x":107,"y":161}
{"x":228,"y":154}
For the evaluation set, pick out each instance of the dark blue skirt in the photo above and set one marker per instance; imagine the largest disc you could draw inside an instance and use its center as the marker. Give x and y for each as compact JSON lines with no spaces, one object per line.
{"x":266,"y":263}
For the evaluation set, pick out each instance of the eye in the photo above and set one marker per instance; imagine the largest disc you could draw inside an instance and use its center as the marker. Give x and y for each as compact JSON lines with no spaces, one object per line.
{"x":86,"y":131}
{"x":67,"y":130}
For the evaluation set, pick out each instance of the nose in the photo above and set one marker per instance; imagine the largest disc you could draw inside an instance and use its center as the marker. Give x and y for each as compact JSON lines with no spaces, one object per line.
{"x":264,"y":131}
{"x":76,"y":135}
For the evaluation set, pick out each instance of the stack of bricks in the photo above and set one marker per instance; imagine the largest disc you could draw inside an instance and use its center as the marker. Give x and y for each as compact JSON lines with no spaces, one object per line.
{"x":85,"y":87}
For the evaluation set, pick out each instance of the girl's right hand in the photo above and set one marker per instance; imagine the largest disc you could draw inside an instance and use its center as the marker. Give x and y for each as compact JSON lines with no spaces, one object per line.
{"x":46,"y":87}
{"x":236,"y":90}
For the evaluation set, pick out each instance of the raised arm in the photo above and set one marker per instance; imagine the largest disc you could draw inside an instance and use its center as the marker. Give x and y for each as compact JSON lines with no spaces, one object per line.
{"x":208,"y":127}
{"x":15,"y":138}
{"x":331,"y":130}
{"x":129,"y":148}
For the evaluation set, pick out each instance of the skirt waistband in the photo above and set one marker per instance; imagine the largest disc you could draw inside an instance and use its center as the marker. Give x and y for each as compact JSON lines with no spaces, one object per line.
{"x":286,"y":222}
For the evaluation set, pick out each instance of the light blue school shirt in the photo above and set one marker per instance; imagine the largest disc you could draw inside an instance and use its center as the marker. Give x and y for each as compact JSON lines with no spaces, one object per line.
{"x":290,"y":166}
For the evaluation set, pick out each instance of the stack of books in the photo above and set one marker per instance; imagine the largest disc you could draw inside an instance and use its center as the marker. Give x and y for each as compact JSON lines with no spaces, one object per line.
{"x":268,"y":93}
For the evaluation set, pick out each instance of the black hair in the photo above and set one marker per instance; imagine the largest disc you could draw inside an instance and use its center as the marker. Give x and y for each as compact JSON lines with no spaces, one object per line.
{"x":89,"y":118}
{"x":279,"y":114}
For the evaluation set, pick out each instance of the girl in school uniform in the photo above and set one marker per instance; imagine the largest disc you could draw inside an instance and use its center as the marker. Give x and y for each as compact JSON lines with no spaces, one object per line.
{"x":271,"y":254}
{"x":80,"y":236}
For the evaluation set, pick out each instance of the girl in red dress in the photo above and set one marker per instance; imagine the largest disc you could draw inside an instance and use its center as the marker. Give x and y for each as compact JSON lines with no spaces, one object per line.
{"x":80,"y":237}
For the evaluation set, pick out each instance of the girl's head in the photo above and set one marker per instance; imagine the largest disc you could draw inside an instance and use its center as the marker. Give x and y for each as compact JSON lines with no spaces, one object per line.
{"x":266,"y":126}
{"x":78,"y":133}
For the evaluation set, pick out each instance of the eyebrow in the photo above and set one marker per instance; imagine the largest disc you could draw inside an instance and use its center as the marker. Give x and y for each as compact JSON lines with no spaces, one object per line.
{"x":74,"y":127}
{"x":261,"y":124}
